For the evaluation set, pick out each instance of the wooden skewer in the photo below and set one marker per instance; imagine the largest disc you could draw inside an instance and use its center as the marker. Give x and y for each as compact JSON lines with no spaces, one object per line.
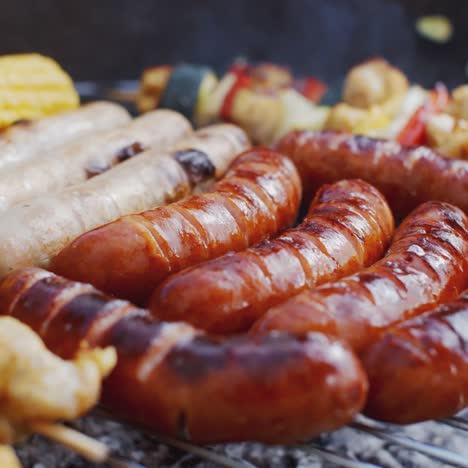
{"x":89,"y":448}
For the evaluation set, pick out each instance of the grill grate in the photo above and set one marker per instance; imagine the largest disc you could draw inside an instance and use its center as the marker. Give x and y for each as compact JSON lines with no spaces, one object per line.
{"x":390,"y":434}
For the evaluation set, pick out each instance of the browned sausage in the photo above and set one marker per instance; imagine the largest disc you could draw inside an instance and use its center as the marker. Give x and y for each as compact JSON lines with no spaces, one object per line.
{"x":427,"y":263}
{"x":258,"y":197}
{"x":348,"y":226}
{"x":419,"y":369}
{"x":407,"y":176}
{"x":176,"y":380}
{"x":32,"y":234}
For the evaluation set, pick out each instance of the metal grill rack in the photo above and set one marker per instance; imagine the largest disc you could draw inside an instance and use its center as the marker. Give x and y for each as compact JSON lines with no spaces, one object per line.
{"x":362,"y":427}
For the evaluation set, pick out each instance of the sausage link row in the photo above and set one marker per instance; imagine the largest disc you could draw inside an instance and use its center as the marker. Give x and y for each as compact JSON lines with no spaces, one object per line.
{"x":178,"y":381}
{"x":407,"y":176}
{"x":258,"y":197}
{"x":427,"y":263}
{"x":348,"y":226}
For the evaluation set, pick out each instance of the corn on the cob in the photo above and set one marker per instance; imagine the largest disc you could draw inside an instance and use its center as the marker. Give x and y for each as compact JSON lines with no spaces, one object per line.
{"x":33,"y":86}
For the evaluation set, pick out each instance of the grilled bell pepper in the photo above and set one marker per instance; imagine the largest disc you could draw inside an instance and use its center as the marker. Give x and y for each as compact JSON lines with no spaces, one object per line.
{"x":414,"y":132}
{"x":242,"y":80}
{"x":311,"y":88}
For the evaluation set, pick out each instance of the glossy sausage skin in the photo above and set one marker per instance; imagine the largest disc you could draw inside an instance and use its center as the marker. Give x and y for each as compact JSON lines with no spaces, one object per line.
{"x":407,"y":176}
{"x":419,"y":369}
{"x":349,"y":226}
{"x":427,"y":263}
{"x":176,"y":380}
{"x":258,"y":197}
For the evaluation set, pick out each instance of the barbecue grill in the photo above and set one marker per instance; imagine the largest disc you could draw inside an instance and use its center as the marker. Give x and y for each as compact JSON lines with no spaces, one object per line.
{"x":364,"y":443}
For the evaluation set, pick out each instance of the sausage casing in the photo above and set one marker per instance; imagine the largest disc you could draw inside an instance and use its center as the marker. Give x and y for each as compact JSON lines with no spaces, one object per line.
{"x":30,"y":139}
{"x":418,"y":370}
{"x":258,"y":197}
{"x":176,"y":380}
{"x":348,"y":227}
{"x":407,"y":176}
{"x":74,"y":163}
{"x":31,"y":234}
{"x":427,"y":263}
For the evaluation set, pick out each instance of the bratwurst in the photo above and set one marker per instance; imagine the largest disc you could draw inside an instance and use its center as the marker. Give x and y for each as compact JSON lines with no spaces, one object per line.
{"x":34,"y":139}
{"x":348,"y":227}
{"x":74,"y":163}
{"x":258,"y":197}
{"x":31,"y":234}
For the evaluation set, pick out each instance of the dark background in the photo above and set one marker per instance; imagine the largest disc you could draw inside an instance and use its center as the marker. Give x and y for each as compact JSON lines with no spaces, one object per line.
{"x":115,"y":39}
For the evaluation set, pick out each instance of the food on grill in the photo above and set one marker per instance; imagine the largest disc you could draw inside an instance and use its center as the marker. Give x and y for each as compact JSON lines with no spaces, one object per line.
{"x":418,"y":370}
{"x":37,"y":386}
{"x":33,"y":139}
{"x":259,"y":113}
{"x":258,"y":197}
{"x":458,"y":107}
{"x":31,"y":234}
{"x":448,"y":131}
{"x":318,"y":298}
{"x":184,"y":88}
{"x":414,"y":130}
{"x":344,"y":117}
{"x":299,"y":113}
{"x":427,"y":263}
{"x":266,"y":100}
{"x":74,"y":163}
{"x":178,"y":381}
{"x":33,"y":86}
{"x":248,"y":96}
{"x":374,"y":83}
{"x":407,"y":176}
{"x":348,"y":227}
{"x":152,"y":84}
{"x":379,"y":102}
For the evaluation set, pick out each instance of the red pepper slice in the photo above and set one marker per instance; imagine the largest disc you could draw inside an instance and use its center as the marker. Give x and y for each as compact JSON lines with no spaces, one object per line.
{"x":311,"y":88}
{"x":414,"y":132}
{"x":243,"y":80}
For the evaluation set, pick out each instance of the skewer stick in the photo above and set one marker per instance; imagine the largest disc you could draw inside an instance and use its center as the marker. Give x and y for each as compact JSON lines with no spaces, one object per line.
{"x":89,"y":448}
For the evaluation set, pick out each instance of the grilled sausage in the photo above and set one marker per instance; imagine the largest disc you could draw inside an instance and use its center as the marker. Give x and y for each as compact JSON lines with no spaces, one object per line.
{"x":176,"y":380}
{"x":427,"y":263}
{"x":418,"y":370}
{"x":76,"y":162}
{"x":31,"y":234}
{"x":407,"y":176}
{"x":258,"y":197}
{"x":348,"y":226}
{"x":30,"y":139}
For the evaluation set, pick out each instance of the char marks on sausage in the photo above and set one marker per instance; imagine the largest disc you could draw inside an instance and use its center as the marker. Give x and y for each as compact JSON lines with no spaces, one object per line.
{"x":176,"y":380}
